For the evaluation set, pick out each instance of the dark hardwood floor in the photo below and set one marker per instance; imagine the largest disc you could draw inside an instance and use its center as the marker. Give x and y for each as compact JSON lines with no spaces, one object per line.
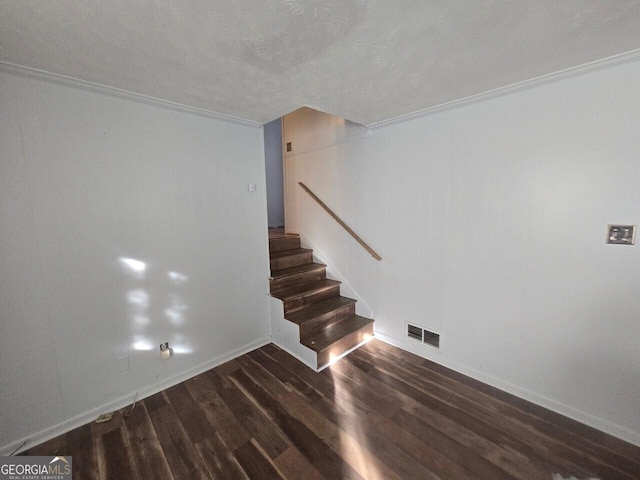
{"x":380,"y":413}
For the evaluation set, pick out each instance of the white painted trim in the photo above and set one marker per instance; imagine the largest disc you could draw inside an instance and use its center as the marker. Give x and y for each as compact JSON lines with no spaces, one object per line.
{"x":293,"y":354}
{"x":119,"y":93}
{"x":582,"y":417}
{"x":91,"y":415}
{"x":601,"y":64}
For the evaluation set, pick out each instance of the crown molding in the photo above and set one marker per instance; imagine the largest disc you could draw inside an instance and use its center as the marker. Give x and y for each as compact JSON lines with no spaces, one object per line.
{"x":119,"y":93}
{"x":628,"y":57}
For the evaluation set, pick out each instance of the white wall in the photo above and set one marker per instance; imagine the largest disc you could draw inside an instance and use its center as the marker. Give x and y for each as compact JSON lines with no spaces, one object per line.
{"x":491,"y":221}
{"x":87,"y":179}
{"x":273,"y":167}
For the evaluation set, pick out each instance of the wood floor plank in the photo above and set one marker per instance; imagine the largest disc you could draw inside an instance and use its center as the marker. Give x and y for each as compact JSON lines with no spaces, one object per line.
{"x":155,"y":402}
{"x":180,"y":453}
{"x":331,"y":450}
{"x":146,"y":451}
{"x":227,"y":367}
{"x":379,"y":413}
{"x":508,"y":426}
{"x":412,"y":412}
{"x":249,"y":416}
{"x":312,"y":447}
{"x":80,"y":444}
{"x":219,"y":415}
{"x":609,"y":449}
{"x":115,"y":458}
{"x":407,"y":455}
{"x":284,"y":375}
{"x":220,"y":462}
{"x":294,"y":466}
{"x":256,"y":463}
{"x":489,"y":430}
{"x":192,"y":417}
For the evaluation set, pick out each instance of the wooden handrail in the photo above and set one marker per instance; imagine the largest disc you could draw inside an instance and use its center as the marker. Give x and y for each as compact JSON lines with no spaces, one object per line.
{"x":342,"y":224}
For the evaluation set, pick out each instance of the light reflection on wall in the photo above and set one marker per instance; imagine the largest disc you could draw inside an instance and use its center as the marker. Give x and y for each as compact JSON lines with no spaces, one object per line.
{"x":133,"y":267}
{"x":137,"y":307}
{"x":138,"y":303}
{"x":141,"y":343}
{"x":175,"y":312}
{"x":177,"y":278}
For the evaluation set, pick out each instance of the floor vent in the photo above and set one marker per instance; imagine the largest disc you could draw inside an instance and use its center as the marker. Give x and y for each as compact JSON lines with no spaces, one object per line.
{"x":423,"y":335}
{"x":414,"y":332}
{"x":431,"y":338}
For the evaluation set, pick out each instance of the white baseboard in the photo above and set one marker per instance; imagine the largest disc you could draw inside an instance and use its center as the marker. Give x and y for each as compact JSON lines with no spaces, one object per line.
{"x":618,"y":431}
{"x":121,"y":402}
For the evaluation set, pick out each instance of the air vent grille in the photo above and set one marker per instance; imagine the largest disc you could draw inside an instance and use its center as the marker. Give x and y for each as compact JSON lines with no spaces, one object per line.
{"x":423,"y":335}
{"x":414,"y":332}
{"x":431,"y":338}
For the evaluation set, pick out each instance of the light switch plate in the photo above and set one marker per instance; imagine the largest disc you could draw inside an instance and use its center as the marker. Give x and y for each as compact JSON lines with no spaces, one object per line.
{"x":621,"y":234}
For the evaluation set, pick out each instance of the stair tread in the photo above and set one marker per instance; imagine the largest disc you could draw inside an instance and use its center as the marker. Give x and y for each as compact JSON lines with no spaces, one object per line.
{"x":288,"y":253}
{"x":280,"y":235}
{"x":307,"y":267}
{"x":305,"y":288}
{"x":325,"y":338}
{"x":318,"y":309}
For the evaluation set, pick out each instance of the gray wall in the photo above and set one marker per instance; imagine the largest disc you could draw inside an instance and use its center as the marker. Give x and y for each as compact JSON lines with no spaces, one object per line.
{"x":273,"y":166}
{"x":491,"y":220}
{"x":122,"y":225}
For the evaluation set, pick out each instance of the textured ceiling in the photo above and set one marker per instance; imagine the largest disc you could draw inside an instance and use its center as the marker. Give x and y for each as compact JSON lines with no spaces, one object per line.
{"x":365,"y":60}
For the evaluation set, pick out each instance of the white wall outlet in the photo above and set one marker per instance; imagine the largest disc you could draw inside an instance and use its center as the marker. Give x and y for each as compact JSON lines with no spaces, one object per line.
{"x":252,"y":187}
{"x":165,"y":352}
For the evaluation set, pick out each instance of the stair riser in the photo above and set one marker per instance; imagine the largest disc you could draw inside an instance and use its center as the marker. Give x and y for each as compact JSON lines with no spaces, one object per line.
{"x":295,"y":303}
{"x":345,"y":344}
{"x":327,"y":320}
{"x":295,"y":280}
{"x":291,"y":261}
{"x":280,"y":244}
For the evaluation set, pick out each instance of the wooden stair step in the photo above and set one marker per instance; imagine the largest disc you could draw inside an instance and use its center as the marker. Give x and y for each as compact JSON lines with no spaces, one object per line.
{"x":323,"y":314}
{"x":284,"y":242}
{"x":339,"y":338}
{"x":327,"y":322}
{"x":292,"y":276}
{"x":301,"y":295}
{"x":290,"y":258}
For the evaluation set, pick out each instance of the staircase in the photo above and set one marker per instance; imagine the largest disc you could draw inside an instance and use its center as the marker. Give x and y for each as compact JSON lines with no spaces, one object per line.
{"x":327,"y":322}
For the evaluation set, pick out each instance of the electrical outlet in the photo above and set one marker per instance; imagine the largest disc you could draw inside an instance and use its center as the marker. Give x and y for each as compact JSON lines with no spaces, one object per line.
{"x":165,"y":352}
